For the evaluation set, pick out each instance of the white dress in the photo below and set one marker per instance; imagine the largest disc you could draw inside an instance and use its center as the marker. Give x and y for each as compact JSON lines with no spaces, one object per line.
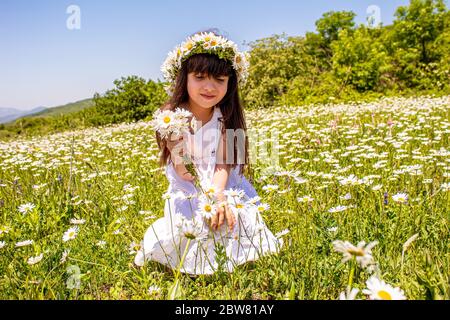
{"x":166,"y":240}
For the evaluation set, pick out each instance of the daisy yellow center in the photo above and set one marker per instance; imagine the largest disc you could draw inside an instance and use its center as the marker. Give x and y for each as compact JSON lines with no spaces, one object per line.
{"x":166,"y":119}
{"x":213,"y":42}
{"x":211,"y":190}
{"x":356,"y":252}
{"x":137,"y":247}
{"x":238,"y":59}
{"x":189,"y":235}
{"x":71,"y":234}
{"x":384,"y":295}
{"x":260,"y":208}
{"x":208,"y":208}
{"x":239,"y":206}
{"x":207,"y":38}
{"x":189,"y":46}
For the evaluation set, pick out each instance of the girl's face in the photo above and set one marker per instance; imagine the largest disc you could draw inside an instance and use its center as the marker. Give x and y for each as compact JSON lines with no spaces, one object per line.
{"x":205,"y":92}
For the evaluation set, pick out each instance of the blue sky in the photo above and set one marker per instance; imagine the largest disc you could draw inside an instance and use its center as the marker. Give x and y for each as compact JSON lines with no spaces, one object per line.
{"x":44,"y":63}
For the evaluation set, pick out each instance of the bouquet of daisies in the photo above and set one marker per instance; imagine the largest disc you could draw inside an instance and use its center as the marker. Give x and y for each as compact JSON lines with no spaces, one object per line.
{"x":169,"y":122}
{"x":173,"y":124}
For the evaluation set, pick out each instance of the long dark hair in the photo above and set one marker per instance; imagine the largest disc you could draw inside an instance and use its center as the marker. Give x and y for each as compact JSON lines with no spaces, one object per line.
{"x":230,"y":105}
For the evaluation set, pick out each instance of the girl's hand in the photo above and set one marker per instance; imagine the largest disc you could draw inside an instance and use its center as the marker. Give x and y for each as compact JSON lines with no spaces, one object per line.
{"x":224,"y":212}
{"x":175,"y":146}
{"x":181,"y":170}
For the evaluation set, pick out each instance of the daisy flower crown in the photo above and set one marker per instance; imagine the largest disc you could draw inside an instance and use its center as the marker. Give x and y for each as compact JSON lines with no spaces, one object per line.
{"x":205,"y":42}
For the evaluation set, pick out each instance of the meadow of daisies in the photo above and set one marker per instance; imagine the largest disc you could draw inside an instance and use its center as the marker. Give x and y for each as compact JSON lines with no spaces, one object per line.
{"x":359,"y":193}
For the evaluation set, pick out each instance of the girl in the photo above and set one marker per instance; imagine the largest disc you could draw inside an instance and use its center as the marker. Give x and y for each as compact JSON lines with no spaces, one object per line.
{"x":220,"y":226}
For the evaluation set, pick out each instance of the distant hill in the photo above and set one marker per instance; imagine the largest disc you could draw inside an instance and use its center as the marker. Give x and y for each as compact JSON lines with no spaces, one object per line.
{"x":11,"y":114}
{"x":45,"y":112}
{"x":64,"y":109}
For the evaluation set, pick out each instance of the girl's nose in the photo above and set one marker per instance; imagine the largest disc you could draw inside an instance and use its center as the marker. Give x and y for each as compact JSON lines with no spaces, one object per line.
{"x":209,"y":85}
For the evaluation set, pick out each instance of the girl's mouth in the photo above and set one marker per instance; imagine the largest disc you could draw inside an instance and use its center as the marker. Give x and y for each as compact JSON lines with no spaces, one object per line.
{"x":207,"y":97}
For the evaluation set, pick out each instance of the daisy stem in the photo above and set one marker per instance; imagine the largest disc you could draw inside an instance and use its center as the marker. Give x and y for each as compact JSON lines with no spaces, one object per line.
{"x":352,"y":271}
{"x":182,"y":259}
{"x":190,"y":167}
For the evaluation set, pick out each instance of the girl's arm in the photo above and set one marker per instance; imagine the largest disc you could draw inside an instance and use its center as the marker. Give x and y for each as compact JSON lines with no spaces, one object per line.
{"x":220,"y":179}
{"x":222,"y":169}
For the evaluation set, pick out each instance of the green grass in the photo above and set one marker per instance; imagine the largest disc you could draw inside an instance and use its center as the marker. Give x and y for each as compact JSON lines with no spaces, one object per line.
{"x":83,"y":176}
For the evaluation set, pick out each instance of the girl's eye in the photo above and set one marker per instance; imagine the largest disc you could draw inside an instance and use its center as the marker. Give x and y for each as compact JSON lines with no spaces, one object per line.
{"x":199,"y":76}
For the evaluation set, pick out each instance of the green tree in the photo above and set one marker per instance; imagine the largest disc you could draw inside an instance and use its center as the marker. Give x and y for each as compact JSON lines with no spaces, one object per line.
{"x":274,"y":62}
{"x":132,"y":99}
{"x":360,"y":58}
{"x":330,"y":25}
{"x":418,"y":41}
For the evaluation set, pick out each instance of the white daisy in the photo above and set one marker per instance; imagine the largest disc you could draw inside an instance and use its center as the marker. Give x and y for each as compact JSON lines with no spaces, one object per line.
{"x":338,"y":209}
{"x":445,"y":186}
{"x":64,"y":256}
{"x":262,"y":207}
{"x":348,"y":196}
{"x":170,"y":122}
{"x":234,"y":193}
{"x":361,"y":252}
{"x":210,"y":190}
{"x":24,"y":243}
{"x":145,"y":212}
{"x":2,"y":244}
{"x":191,"y":229}
{"x":119,"y":220}
{"x":332,"y":229}
{"x":101,"y":243}
{"x":207,"y":45}
{"x":34,"y":260}
{"x":134,"y":247}
{"x":27,"y":207}
{"x":77,"y":221}
{"x":379,"y":290}
{"x":188,"y":45}
{"x":163,"y":120}
{"x":166,"y":196}
{"x":377,"y":187}
{"x":400,"y":198}
{"x":259,"y":227}
{"x":70,"y":234}
{"x":349,"y":294}
{"x":305,"y":199}
{"x":154,"y":289}
{"x":270,"y":187}
{"x":254,"y":200}
{"x":207,"y":208}
{"x":239,"y":204}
